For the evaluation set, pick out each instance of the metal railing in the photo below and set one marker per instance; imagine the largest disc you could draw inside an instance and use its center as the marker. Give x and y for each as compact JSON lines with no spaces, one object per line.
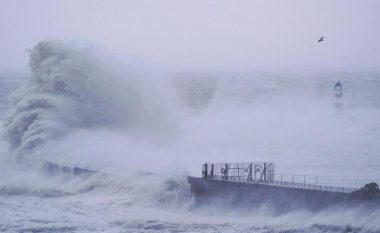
{"x":263,"y":173}
{"x":286,"y":183}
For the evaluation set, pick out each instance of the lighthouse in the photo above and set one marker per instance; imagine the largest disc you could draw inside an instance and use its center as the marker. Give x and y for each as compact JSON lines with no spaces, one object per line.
{"x":338,"y":90}
{"x":338,"y":93}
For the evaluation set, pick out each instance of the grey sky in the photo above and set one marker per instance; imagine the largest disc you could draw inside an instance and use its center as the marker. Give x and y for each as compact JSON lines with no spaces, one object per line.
{"x":203,"y":34}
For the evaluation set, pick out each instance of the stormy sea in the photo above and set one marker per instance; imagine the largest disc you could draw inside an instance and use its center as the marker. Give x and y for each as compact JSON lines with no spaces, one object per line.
{"x":144,"y":131}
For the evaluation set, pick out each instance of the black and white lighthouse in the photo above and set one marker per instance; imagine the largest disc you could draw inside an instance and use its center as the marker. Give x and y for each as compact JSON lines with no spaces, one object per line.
{"x":338,"y":93}
{"x":338,"y":88}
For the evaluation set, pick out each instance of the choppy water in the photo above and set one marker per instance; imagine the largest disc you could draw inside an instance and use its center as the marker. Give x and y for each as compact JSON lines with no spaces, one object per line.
{"x":146,"y":134}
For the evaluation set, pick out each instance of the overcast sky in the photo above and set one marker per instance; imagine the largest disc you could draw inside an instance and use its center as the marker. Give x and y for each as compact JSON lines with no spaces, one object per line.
{"x":203,"y":34}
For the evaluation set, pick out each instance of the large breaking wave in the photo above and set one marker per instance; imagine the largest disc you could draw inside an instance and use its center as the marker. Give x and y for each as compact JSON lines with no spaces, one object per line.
{"x":77,"y":109}
{"x":72,"y":88}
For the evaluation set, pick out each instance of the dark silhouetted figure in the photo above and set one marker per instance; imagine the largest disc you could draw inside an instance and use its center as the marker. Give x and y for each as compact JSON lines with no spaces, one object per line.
{"x":321,"y":39}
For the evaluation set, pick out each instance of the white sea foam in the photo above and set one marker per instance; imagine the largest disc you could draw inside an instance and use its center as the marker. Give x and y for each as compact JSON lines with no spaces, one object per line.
{"x":79,"y":109}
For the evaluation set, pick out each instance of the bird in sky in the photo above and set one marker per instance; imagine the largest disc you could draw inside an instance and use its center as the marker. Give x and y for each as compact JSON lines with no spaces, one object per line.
{"x":321,"y":39}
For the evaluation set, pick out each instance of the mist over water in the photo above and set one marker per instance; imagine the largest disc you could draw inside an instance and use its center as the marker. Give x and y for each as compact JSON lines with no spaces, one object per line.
{"x":145,"y":132}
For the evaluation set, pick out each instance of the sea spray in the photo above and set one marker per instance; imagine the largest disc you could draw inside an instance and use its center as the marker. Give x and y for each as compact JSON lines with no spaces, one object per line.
{"x":71,"y":88}
{"x":76,"y":109}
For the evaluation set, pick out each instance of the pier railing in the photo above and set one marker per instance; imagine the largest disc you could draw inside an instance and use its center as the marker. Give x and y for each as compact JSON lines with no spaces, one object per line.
{"x":263,"y":173}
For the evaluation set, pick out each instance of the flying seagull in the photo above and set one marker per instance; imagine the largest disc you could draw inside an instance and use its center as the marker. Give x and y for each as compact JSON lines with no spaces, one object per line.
{"x":320,"y":40}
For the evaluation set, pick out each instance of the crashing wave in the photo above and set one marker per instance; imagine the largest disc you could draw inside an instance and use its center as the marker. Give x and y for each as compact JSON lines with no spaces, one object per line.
{"x":72,"y":88}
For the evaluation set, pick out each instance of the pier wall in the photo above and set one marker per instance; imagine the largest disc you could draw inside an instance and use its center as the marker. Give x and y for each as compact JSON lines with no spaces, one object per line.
{"x":280,"y":199}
